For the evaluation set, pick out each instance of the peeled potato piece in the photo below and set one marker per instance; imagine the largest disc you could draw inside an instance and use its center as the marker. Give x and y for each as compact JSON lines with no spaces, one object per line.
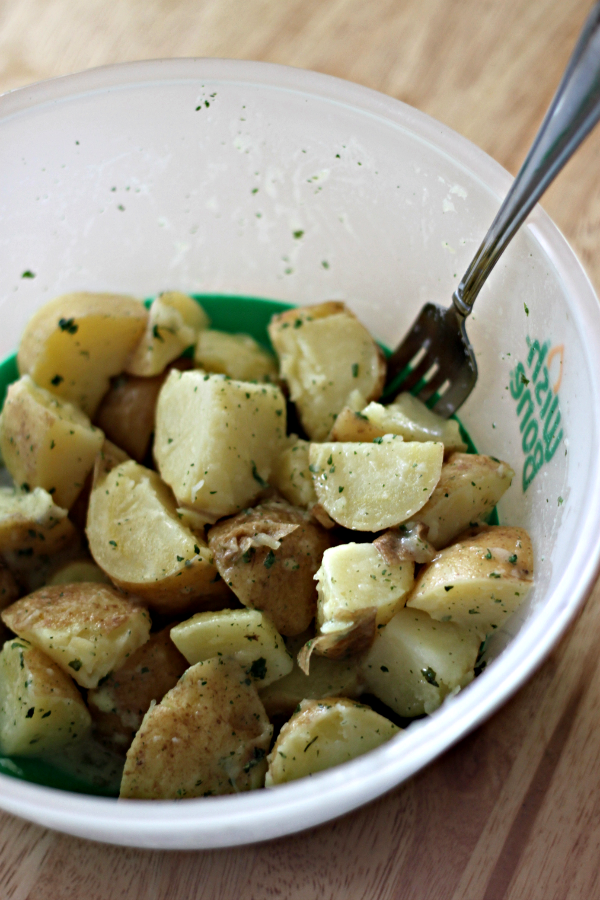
{"x":137,"y":537}
{"x":325,"y":733}
{"x":31,"y":524}
{"x":269,"y":556}
{"x":40,"y":707}
{"x":121,"y":701}
{"x":208,"y":735}
{"x":236,"y":355}
{"x":244,"y":634}
{"x":174,"y":323}
{"x":73,"y":345}
{"x":368,"y":487}
{"x":322,"y":382}
{"x":46,"y":442}
{"x":469,"y":488}
{"x":416,"y":661}
{"x":291,"y":475}
{"x":478,"y":581}
{"x":216,"y":440}
{"x":87,"y":629}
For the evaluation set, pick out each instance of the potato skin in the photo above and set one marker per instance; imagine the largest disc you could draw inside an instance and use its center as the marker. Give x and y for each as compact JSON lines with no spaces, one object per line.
{"x":126,"y":414}
{"x":277,"y":580}
{"x":209,"y":735}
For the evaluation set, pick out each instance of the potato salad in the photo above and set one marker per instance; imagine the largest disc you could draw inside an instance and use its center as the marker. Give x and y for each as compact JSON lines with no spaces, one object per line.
{"x":231,"y":566}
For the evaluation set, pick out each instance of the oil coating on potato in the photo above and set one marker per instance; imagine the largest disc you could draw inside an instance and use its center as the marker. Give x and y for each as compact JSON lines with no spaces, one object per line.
{"x":121,"y":701}
{"x":73,"y":345}
{"x":208,"y":735}
{"x":40,"y":707}
{"x":269,"y":556}
{"x":325,"y":733}
{"x":174,"y":322}
{"x":321,"y":383}
{"x":87,"y":629}
{"x":46,"y":442}
{"x":137,"y":537}
{"x":236,"y":355}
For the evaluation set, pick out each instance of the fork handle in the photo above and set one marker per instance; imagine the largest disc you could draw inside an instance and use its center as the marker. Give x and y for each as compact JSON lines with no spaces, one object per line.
{"x":572,"y":114}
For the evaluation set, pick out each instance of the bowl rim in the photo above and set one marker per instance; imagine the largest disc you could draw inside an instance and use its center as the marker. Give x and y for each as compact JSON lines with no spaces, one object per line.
{"x":237,"y":820}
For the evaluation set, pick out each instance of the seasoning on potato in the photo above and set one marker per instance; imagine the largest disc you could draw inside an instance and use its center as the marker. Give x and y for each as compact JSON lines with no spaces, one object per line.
{"x":236,"y":355}
{"x":174,"y":323}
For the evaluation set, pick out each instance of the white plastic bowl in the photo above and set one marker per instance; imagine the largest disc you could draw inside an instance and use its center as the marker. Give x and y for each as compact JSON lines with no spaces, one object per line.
{"x":143,"y":177}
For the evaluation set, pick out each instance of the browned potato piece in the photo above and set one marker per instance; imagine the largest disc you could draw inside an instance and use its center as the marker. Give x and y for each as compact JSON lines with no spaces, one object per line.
{"x":322,"y":382}
{"x":87,"y":629}
{"x":126,"y":414}
{"x":120,"y":703}
{"x":138,"y":538}
{"x":74,"y":344}
{"x":269,"y":556}
{"x":209,"y":735}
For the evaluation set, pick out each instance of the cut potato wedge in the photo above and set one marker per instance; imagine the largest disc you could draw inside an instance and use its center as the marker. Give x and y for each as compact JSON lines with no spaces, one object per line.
{"x":126,"y":414}
{"x":368,"y":487}
{"x":292,"y":478}
{"x":321,"y":382}
{"x":469,"y":488}
{"x":245,"y":634}
{"x":478,"y":581}
{"x":236,"y":355}
{"x":41,"y":710}
{"x":416,"y":662}
{"x":46,"y":442}
{"x":31,"y":524}
{"x":78,"y":571}
{"x":87,"y":629}
{"x":208,"y":735}
{"x":325,"y":733}
{"x":121,"y":701}
{"x":174,"y":323}
{"x":137,"y":537}
{"x":216,"y":440}
{"x":73,"y":345}
{"x":268,"y":556}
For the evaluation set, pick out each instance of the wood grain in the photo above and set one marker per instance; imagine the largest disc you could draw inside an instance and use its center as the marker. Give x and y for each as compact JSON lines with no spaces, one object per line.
{"x":512,"y":812}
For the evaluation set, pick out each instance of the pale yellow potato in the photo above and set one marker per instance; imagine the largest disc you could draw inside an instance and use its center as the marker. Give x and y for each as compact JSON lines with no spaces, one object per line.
{"x":216,"y":440}
{"x":326,"y":357}
{"x":40,"y":708}
{"x":369,"y":487}
{"x":87,"y":629}
{"x":291,"y":475}
{"x":244,"y":634}
{"x":31,"y":524}
{"x":268,"y":556}
{"x":469,"y":488}
{"x":121,"y":701}
{"x":77,"y":571}
{"x":478,"y":581}
{"x":9,"y":592}
{"x":323,"y":734}
{"x":137,"y":537}
{"x":416,"y":662}
{"x":236,"y":355}
{"x":46,"y":442}
{"x":74,"y":344}
{"x":208,"y":735}
{"x":174,"y":323}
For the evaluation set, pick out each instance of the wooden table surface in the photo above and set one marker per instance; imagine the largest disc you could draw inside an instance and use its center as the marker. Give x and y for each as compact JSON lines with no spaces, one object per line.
{"x":513,"y":811}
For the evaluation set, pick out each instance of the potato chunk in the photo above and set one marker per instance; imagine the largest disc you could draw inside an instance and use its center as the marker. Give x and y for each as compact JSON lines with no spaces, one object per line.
{"x":368,"y":487}
{"x":245,"y":634}
{"x":31,"y":524}
{"x":269,"y":556}
{"x":73,"y":345}
{"x":325,"y":733}
{"x":478,"y":581}
{"x":77,"y":571}
{"x":415,"y":662}
{"x":137,"y":537}
{"x":216,"y":440}
{"x":292,"y":477}
{"x":126,"y":414}
{"x":236,"y":355}
{"x":40,"y":707}
{"x":322,"y":382}
{"x":468,"y":490}
{"x":120,"y":703}
{"x":87,"y":629}
{"x":174,"y":323}
{"x":46,"y":442}
{"x":208,"y":735}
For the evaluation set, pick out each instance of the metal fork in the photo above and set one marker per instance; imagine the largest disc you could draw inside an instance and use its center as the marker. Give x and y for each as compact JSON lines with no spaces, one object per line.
{"x":435,"y":361}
